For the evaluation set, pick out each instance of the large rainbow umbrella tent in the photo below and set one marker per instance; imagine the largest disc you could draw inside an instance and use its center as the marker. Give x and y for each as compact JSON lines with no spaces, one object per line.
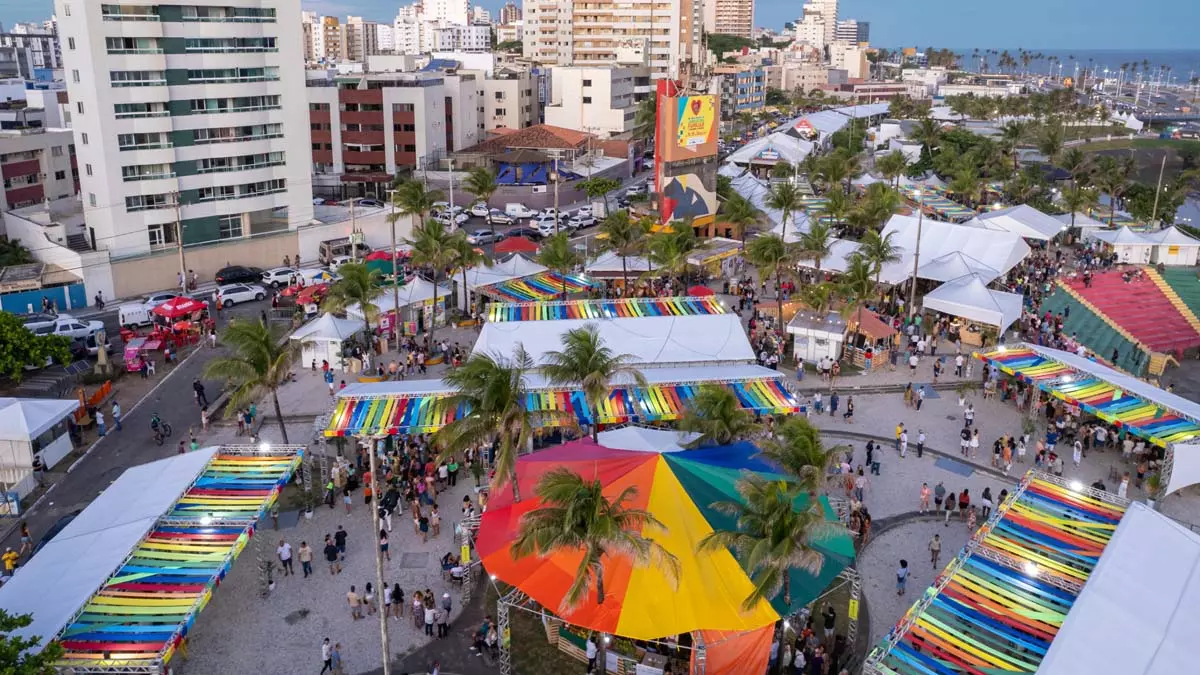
{"x":679,"y":489}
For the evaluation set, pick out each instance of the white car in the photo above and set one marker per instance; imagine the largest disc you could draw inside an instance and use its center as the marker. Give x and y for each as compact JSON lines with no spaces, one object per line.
{"x":518,"y":210}
{"x":498,"y":217}
{"x":550,"y":211}
{"x":580,"y":221}
{"x":277,"y":276}
{"x":479,"y":210}
{"x":583,"y":211}
{"x":480,"y":237}
{"x":636,"y":190}
{"x":155,"y":299}
{"x":443,"y":217}
{"x":545,"y":226}
{"x":318,"y":201}
{"x":234,"y":294}
{"x":69,"y":326}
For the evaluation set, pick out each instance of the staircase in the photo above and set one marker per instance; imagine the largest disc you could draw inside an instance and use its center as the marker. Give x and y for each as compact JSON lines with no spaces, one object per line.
{"x":79,"y":243}
{"x":1096,"y":331}
{"x":1169,"y":291}
{"x":1140,"y":309}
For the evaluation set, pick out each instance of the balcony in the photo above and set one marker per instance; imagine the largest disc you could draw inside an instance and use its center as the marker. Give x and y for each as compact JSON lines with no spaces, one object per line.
{"x":25,"y":193}
{"x":361,"y":117}
{"x":364,"y":137}
{"x":22,"y":168}
{"x":369,"y":157}
{"x":361,"y":96}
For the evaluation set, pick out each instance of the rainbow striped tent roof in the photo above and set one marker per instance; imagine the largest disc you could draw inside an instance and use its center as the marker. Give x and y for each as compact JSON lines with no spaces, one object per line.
{"x":541,"y":286}
{"x":138,"y":618}
{"x":626,"y":308}
{"x":1095,"y":395}
{"x":998,"y":605}
{"x":417,"y":412}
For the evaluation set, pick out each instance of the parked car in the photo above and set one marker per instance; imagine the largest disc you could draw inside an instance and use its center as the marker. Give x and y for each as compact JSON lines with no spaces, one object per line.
{"x":155,"y":299}
{"x":364,"y":203}
{"x":317,"y":201}
{"x":530,"y":233}
{"x":238,"y":274}
{"x":35,"y":320}
{"x":547,"y":227}
{"x":58,"y":526}
{"x":68,"y":326}
{"x":580,"y":221}
{"x":479,"y":210}
{"x":337,"y":262}
{"x":550,"y":211}
{"x":518,"y":210}
{"x":498,"y":217}
{"x":134,"y":314}
{"x":234,"y":294}
{"x":277,"y":276}
{"x":81,"y":348}
{"x":636,"y":190}
{"x":480,"y":237}
{"x":585,"y":210}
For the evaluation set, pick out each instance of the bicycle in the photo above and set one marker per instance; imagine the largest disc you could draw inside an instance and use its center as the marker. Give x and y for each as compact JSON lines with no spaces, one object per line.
{"x":162,"y":432}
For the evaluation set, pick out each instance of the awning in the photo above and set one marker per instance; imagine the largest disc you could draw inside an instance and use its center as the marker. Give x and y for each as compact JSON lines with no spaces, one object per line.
{"x":1022,"y":220}
{"x":970,"y":298}
{"x":715,"y":250}
{"x":327,"y":327}
{"x":24,"y":419}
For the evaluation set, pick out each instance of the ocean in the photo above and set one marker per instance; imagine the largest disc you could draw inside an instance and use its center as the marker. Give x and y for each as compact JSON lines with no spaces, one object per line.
{"x":1182,"y":63}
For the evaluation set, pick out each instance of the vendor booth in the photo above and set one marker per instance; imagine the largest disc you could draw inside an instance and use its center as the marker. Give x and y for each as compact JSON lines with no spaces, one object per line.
{"x":321,"y":340}
{"x":869,"y":338}
{"x":179,"y":321}
{"x":610,"y":265}
{"x":818,"y":336}
{"x":969,"y":298}
{"x":1129,"y":246}
{"x":1173,"y":247}
{"x":483,"y":275}
{"x":420,"y":307}
{"x":30,"y":427}
{"x":717,"y":256}
{"x":1022,"y":220}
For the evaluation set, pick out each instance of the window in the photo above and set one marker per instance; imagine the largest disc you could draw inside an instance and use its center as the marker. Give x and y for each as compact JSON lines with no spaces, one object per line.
{"x":70,"y":43}
{"x":154,"y":139}
{"x":137,"y":78}
{"x":60,"y":175}
{"x":79,"y":107}
{"x":410,"y":148}
{"x":129,"y":110}
{"x":404,"y":127}
{"x":87,"y":169}
{"x":56,"y":151}
{"x":229,"y":14}
{"x":500,"y":112}
{"x":92,"y":198}
{"x":147,"y":202}
{"x":83,"y":137}
{"x":234,"y":104}
{"x":128,"y":13}
{"x":403,"y":108}
{"x":231,"y":226}
{"x":234,"y":134}
{"x":146,"y":172}
{"x":587,"y":83}
{"x":587,"y":99}
{"x":225,"y":45}
{"x":499,"y":96}
{"x":159,"y":235}
{"x":319,"y":107}
{"x":75,"y":76}
{"x":218,"y":164}
{"x":124,"y":45}
{"x":219,"y":75}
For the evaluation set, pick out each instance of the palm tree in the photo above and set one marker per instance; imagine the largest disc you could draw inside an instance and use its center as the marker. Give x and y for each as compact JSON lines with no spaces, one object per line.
{"x":746,"y":120}
{"x":1079,"y":200}
{"x":1077,"y":163}
{"x":717,"y":415}
{"x":739,"y":212}
{"x":966,"y":183}
{"x":772,"y":257}
{"x":1012,"y":135}
{"x":259,"y":362}
{"x":835,"y":169}
{"x":645,"y":118}
{"x":359,"y":286}
{"x":481,"y":182}
{"x":432,"y":247}
{"x":816,"y":245}
{"x":879,"y":203}
{"x":1112,"y":177}
{"x":465,"y":256}
{"x":878,"y":250}
{"x":669,"y":251}
{"x":892,"y":166}
{"x":778,"y":528}
{"x":559,"y":254}
{"x":576,"y":518}
{"x":928,"y":133}
{"x":1050,"y":141}
{"x":411,"y":198}
{"x":857,"y":284}
{"x":785,"y":198}
{"x":627,"y":238}
{"x":493,"y":391}
{"x":586,"y":363}
{"x":797,"y":448}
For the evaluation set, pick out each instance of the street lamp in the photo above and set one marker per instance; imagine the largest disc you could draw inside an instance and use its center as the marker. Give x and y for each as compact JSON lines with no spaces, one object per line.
{"x":912,"y":291}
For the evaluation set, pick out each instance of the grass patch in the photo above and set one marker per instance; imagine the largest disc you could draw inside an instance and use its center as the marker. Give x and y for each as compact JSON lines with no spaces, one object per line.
{"x":1076,"y":133}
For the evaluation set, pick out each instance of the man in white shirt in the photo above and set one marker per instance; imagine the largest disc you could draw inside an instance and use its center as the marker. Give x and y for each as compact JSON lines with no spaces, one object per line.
{"x":591,"y":655}
{"x":903,"y":443}
{"x":285,"y":557}
{"x":912,"y":363}
{"x":326,"y":656}
{"x":958,"y":365}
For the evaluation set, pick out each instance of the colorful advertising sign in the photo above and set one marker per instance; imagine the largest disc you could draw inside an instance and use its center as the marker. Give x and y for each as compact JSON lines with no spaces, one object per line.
{"x":695,"y":120}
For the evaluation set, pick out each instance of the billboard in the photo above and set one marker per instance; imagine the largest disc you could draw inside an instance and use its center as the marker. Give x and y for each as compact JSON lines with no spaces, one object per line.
{"x":685,"y":157}
{"x":695,"y":121}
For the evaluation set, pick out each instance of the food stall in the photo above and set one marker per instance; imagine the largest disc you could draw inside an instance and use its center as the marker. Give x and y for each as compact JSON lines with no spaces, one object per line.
{"x":181,"y":320}
{"x":868,"y":333}
{"x":133,"y":353}
{"x":310,"y":299}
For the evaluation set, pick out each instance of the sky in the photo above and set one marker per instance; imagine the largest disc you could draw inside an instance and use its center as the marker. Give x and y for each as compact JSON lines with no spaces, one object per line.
{"x":957,"y":24}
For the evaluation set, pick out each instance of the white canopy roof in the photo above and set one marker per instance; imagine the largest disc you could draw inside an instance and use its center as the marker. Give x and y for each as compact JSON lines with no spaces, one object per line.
{"x":1172,"y":236}
{"x":970,"y":298}
{"x":1122,"y":237}
{"x":24,"y":419}
{"x":713,"y":338}
{"x":610,"y":262}
{"x":514,"y":268}
{"x":643,"y":439}
{"x":840,"y":251}
{"x":867,"y":110}
{"x":954,"y":265}
{"x":1139,"y":611}
{"x":328,"y":327}
{"x":1081,"y":220}
{"x":1023,"y":220}
{"x":865,"y":180}
{"x":416,"y":290}
{"x":56,"y":583}
{"x":825,"y":122}
{"x":771,"y":148}
{"x":998,"y":251}
{"x":758,"y":192}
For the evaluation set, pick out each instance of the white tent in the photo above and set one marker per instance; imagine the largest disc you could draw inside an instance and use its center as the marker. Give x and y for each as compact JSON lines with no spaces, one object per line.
{"x":970,"y":298}
{"x":643,"y":439}
{"x":1139,"y":611}
{"x":757,"y":192}
{"x":997,"y":251}
{"x":865,"y":180}
{"x":954,"y":265}
{"x":1023,"y":220}
{"x":416,"y":303}
{"x":1082,"y":220}
{"x":515,"y":267}
{"x":23,"y":421}
{"x":838,"y":259}
{"x":57,"y":582}
{"x":1130,"y":246}
{"x":824,"y":122}
{"x":775,"y":147}
{"x":608,"y":265}
{"x":865,"y":110}
{"x":1173,"y":247}
{"x":660,"y":340}
{"x":321,"y":339}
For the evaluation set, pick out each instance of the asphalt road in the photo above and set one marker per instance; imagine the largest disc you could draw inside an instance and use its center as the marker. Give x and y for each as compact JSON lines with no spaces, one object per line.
{"x":175,"y":402}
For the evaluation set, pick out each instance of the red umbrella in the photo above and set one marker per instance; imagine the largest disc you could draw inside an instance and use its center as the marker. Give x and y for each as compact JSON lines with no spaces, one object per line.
{"x":312,"y":294}
{"x":378,"y":255}
{"x":179,"y":306}
{"x":516,"y":245}
{"x":701,"y":291}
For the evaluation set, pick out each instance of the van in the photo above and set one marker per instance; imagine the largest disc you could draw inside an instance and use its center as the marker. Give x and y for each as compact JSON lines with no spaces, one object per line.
{"x":132,"y":315}
{"x":332,"y":248}
{"x":519,"y":211}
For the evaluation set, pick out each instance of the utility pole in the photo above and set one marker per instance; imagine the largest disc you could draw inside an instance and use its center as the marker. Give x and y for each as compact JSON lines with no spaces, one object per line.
{"x":912,"y":291}
{"x":380,"y":589}
{"x":395,"y":275}
{"x":179,"y":242}
{"x":554,"y":179}
{"x":1158,"y":189}
{"x":453,"y":220}
{"x":353,"y":232}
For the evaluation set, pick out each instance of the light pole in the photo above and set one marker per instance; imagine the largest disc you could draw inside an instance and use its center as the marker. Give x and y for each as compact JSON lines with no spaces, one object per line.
{"x":912,"y":291}
{"x":450,"y":163}
{"x":395,"y":274}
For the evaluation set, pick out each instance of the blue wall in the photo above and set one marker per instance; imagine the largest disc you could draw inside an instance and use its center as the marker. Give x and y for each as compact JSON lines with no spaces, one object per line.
{"x":24,"y":301}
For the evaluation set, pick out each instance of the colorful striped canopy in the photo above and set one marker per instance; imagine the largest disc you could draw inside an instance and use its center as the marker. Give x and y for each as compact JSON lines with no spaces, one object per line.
{"x":541,"y":286}
{"x":144,"y":610}
{"x":679,"y":490}
{"x":604,"y":309}
{"x":936,"y":202}
{"x":653,"y":403}
{"x":1095,"y":396}
{"x":998,"y":605}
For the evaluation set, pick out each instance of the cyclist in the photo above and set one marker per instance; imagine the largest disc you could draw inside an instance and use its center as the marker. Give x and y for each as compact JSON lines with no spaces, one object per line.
{"x":156,"y":425}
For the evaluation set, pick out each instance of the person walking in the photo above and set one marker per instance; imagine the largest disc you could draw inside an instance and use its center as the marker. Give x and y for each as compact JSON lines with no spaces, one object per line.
{"x":833,"y":403}
{"x":1077,"y":453}
{"x":985,"y":503}
{"x":920,"y":397}
{"x":951,"y":502}
{"x":924,"y":505}
{"x":369,"y":598}
{"x":939,"y":493}
{"x":901,"y":577}
{"x":848,"y":416}
{"x":903,"y":443}
{"x":116,"y":414}
{"x":935,"y":550}
{"x":969,"y":414}
{"x":306,"y":556}
{"x":198,"y":388}
{"x":383,"y":545}
{"x":964,"y":441}
{"x":285,"y":557}
{"x":204,"y":419}
{"x":861,"y":483}
{"x":397,"y":601}
{"x":975,"y":443}
{"x":331,"y":556}
{"x":899,"y":430}
{"x":430,"y":615}
{"x":355,"y":602}
{"x":964,"y":503}
{"x":339,"y":539}
{"x":444,"y":616}
{"x":335,"y":659}
{"x":326,"y":656}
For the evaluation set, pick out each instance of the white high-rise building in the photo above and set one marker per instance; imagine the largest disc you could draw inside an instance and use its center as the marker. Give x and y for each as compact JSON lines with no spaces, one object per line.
{"x":387,"y":41}
{"x":817,"y":26}
{"x":191,"y":119}
{"x":729,"y":17}
{"x":480,"y":15}
{"x":450,"y":11}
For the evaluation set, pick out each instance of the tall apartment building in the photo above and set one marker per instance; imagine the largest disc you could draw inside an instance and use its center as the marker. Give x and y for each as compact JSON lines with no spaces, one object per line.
{"x":742,"y":88}
{"x":39,"y":44}
{"x":359,"y":39}
{"x":508,"y":99}
{"x":186,"y":120}
{"x":36,"y":163}
{"x":473,"y":38}
{"x":480,"y":15}
{"x":663,"y":34}
{"x":600,"y":100}
{"x":450,"y":11}
{"x":510,"y":13}
{"x":729,"y":17}
{"x":817,"y":25}
{"x":322,"y":38}
{"x":852,"y":30}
